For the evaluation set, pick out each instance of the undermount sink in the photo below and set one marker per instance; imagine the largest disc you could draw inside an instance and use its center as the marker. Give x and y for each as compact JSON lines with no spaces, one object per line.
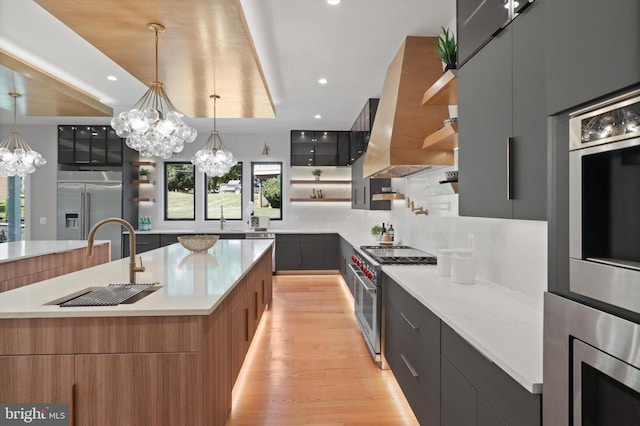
{"x":109,"y":295}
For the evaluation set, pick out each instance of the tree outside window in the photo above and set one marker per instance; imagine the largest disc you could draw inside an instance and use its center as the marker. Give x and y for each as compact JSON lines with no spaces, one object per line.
{"x":267,"y":189}
{"x":179,"y":200}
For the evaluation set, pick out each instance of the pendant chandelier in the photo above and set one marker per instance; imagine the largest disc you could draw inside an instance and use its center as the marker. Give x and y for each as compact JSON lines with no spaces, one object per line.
{"x":16,"y":156}
{"x":153,"y":126}
{"x":214,"y":159}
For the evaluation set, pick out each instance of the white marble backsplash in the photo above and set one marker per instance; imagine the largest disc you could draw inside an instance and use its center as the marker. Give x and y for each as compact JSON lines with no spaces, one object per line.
{"x":511,"y":253}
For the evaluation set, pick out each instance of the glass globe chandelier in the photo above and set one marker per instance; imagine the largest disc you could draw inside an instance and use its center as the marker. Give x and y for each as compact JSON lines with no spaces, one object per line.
{"x":16,"y":156}
{"x":153,"y":126}
{"x":214,"y":159}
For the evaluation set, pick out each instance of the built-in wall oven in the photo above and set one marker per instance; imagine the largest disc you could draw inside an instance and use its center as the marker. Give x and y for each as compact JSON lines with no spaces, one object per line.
{"x":592,"y":327}
{"x":591,"y":366}
{"x":604,"y":202}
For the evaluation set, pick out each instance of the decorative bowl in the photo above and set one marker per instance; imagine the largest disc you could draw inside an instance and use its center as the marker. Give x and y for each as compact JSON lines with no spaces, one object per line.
{"x":198,"y":243}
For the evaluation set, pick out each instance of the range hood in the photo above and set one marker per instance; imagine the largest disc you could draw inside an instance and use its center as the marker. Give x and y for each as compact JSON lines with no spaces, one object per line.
{"x":402,"y":123}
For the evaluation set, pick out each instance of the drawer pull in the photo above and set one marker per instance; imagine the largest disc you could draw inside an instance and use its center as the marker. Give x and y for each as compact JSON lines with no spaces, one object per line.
{"x":409,"y":322}
{"x":412,"y":370}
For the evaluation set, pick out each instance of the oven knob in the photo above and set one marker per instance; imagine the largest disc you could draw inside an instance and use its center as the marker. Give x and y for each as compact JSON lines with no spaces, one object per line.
{"x":369,"y":274}
{"x":354,"y":258}
{"x":362,"y":268}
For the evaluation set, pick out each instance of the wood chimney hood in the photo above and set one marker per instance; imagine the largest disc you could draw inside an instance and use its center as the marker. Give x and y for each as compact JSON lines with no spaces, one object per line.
{"x":401,"y":123}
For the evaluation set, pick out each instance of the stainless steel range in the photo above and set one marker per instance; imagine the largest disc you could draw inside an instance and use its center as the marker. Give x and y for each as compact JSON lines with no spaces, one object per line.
{"x":366,"y":272}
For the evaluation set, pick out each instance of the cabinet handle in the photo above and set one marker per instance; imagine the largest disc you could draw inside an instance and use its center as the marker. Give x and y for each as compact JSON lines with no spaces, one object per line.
{"x":412,"y":370}
{"x":409,"y":322}
{"x":263,"y":292}
{"x":364,"y":194}
{"x":255,"y":305}
{"x":72,"y":406}
{"x":509,"y":142}
{"x":246,"y":324}
{"x":355,"y":195}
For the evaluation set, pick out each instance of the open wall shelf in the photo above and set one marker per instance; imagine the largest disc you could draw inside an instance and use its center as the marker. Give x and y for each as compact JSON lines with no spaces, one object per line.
{"x":443,"y":92}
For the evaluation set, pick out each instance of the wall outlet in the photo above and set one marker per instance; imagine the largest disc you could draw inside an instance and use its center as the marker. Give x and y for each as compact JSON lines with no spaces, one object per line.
{"x":43,"y":221}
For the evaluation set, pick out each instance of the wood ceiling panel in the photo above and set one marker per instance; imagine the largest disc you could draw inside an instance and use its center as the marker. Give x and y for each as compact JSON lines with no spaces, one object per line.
{"x":43,"y":94}
{"x":206,"y":48}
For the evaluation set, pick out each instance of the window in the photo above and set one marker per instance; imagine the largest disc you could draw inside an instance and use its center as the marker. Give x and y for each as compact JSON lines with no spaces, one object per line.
{"x":224,"y":195}
{"x":179,"y":193}
{"x":267,"y":189}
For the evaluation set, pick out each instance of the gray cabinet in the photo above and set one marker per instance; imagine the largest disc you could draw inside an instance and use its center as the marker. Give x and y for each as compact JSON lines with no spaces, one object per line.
{"x":362,"y":189}
{"x":412,"y":349}
{"x":346,"y":251}
{"x":446,"y":381}
{"x":310,"y":252}
{"x":459,"y":398}
{"x":288,"y":252}
{"x":502,"y":396}
{"x":502,"y":128}
{"x":593,"y":49}
{"x":144,"y":242}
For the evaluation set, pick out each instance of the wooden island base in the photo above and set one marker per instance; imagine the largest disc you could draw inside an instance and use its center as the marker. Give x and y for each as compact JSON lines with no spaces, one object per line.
{"x":164,"y":370}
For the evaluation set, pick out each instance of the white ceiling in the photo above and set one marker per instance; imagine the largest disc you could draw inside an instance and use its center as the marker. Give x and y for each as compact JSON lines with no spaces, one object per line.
{"x":298,"y":42}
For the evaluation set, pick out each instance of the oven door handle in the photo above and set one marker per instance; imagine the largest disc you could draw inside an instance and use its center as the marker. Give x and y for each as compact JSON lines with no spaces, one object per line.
{"x":366,"y":284}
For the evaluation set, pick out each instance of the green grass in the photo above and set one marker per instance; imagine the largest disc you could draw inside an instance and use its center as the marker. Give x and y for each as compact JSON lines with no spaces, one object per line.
{"x":232,"y":204}
{"x":267,"y":211}
{"x":180,"y":205}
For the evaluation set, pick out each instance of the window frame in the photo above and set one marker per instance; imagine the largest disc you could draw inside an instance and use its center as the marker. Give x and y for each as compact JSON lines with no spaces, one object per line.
{"x":253,"y":163}
{"x":168,"y":164}
{"x":206,"y":196}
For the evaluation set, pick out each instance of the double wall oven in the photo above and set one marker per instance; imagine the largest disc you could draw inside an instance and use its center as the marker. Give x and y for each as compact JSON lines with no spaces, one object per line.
{"x":366,"y":273}
{"x":592,"y":327}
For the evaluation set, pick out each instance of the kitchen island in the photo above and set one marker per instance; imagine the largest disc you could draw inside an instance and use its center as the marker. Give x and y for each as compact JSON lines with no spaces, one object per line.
{"x":26,"y":262}
{"x":171,"y":358}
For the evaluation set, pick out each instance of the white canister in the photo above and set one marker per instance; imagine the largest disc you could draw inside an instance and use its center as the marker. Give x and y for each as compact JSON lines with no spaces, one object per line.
{"x":463,"y":269}
{"x":444,"y":262}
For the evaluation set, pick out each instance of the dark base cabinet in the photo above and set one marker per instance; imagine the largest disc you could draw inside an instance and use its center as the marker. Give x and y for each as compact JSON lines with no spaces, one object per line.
{"x":412,"y":349}
{"x":146,"y":242}
{"x":307,"y":252}
{"x":496,"y":392}
{"x":445,"y":380}
{"x":346,"y":251}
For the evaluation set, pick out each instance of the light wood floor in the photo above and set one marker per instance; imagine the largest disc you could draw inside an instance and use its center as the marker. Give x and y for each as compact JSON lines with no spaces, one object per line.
{"x":308,"y":364}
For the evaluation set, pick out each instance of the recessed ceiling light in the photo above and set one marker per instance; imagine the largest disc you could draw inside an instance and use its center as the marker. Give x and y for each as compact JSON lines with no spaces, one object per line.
{"x":333,"y":2}
{"x":318,"y":116}
{"x":112,"y":78}
{"x":322,"y":81}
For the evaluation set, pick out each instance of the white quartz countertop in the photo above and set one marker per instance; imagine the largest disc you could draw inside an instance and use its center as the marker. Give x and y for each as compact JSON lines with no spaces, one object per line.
{"x":191,"y":283}
{"x":16,"y":250}
{"x":502,"y":324}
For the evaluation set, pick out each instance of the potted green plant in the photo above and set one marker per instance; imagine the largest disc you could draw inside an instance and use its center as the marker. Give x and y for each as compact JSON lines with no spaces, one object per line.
{"x":144,"y":174}
{"x":447,"y":49}
{"x":317,"y":173}
{"x":375,"y":231}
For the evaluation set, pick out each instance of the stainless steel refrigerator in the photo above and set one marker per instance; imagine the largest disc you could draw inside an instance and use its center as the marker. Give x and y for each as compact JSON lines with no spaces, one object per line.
{"x":85,"y":198}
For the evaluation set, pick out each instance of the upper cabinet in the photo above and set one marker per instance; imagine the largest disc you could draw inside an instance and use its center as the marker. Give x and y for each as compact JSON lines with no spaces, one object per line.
{"x":89,"y":145}
{"x":593,"y":50}
{"x":361,"y":129}
{"x":320,"y":148}
{"x":363,"y":189}
{"x":479,"y":20}
{"x":502,"y":124}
